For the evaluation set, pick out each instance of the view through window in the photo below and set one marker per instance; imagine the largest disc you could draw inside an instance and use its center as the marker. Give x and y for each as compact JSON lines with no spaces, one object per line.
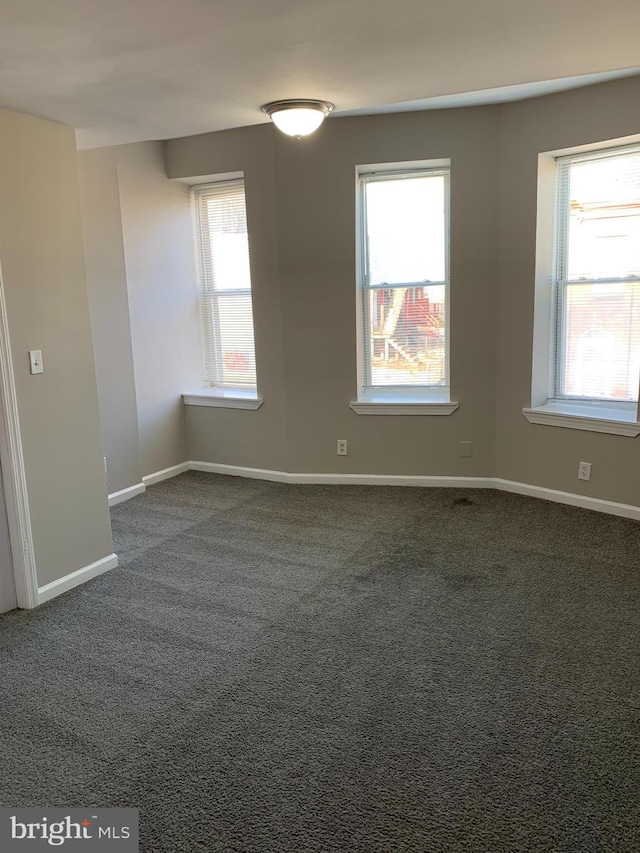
{"x":405,"y":278}
{"x":598,"y":277}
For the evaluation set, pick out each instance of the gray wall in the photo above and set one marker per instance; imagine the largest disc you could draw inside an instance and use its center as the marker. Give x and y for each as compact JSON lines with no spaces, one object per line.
{"x":144,"y":306}
{"x":163,"y":300}
{"x":44,"y":279}
{"x":301,"y":216}
{"x":254,"y":438}
{"x":531,"y":453}
{"x":109,"y":307}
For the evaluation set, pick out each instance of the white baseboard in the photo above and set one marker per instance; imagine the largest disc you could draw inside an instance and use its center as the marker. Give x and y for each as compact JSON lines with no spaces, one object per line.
{"x":428,"y":482}
{"x":126,"y":494}
{"x":569,"y":498}
{"x":166,"y":473}
{"x":583,"y":501}
{"x":51,"y":590}
{"x":116,"y":498}
{"x":241,"y":471}
{"x":344,"y":479}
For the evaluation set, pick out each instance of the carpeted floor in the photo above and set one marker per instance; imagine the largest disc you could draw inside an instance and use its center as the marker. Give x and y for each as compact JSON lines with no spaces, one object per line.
{"x":288,"y":669}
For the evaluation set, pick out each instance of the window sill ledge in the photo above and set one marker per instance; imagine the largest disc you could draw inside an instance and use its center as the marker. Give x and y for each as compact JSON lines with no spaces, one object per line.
{"x":403,"y":407}
{"x":223,"y":398}
{"x":592,"y":419}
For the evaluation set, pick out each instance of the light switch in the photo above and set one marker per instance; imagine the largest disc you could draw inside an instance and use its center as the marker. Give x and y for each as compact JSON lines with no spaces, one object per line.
{"x":35,"y":360}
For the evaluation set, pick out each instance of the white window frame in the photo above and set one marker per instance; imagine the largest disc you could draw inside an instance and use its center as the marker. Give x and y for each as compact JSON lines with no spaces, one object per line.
{"x":216,"y":393}
{"x":397,"y":399}
{"x":549,"y":405}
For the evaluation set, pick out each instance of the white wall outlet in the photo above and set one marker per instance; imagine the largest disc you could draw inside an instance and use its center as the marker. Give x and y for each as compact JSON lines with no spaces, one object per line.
{"x":466,"y":449}
{"x":584,"y":471}
{"x":105,"y":464}
{"x":342,"y":447}
{"x":35,"y":361}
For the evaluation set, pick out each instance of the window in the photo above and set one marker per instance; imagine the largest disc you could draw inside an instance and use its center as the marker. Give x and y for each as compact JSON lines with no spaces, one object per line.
{"x":404,"y":285}
{"x":598,"y":276}
{"x":225,"y":285}
{"x":594,"y":341}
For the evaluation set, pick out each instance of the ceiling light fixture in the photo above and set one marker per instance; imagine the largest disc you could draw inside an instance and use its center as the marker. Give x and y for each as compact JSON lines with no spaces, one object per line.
{"x":298,"y":117}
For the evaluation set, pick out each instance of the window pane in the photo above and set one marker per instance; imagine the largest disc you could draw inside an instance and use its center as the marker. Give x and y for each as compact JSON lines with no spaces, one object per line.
{"x":604,"y":218}
{"x":225,"y":284}
{"x":233,"y":351}
{"x":602,"y":340}
{"x":407,"y":335}
{"x":230,"y":260}
{"x":406,"y":230}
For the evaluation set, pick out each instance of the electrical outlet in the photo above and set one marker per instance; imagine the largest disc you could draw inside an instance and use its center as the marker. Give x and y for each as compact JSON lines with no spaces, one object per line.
{"x":584,"y":471}
{"x":105,"y":464}
{"x":342,"y":447}
{"x":466,"y":449}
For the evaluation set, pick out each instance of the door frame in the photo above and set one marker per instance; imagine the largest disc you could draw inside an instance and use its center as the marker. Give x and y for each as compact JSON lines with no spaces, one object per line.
{"x":14,"y":474}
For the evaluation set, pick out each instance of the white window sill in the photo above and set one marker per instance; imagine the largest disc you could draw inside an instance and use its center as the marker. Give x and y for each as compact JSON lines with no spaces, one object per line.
{"x":224,"y":398}
{"x":379,"y":403}
{"x":590,"y":416}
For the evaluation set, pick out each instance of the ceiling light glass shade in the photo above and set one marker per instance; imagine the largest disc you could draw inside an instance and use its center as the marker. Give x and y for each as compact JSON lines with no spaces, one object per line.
{"x":298,"y":117}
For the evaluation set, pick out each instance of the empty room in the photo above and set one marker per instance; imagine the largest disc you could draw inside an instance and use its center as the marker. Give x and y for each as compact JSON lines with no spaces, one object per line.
{"x":319,"y":426}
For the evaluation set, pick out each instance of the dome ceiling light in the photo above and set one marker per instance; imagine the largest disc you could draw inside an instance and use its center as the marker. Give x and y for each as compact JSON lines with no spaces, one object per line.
{"x":298,"y":117}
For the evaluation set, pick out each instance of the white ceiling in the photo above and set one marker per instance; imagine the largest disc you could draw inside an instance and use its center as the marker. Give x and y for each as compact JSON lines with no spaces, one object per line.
{"x":128,"y":70}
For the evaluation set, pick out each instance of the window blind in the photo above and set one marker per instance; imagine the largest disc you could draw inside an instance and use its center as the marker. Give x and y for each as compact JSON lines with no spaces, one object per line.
{"x":405,"y":278}
{"x":598,"y":276}
{"x":225,"y":284}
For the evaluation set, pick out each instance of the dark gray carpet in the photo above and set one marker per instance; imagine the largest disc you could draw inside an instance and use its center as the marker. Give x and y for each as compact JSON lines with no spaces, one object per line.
{"x":283,"y":669}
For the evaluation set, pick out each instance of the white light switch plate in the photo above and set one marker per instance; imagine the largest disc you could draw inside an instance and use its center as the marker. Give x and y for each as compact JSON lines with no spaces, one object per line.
{"x":35,"y":361}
